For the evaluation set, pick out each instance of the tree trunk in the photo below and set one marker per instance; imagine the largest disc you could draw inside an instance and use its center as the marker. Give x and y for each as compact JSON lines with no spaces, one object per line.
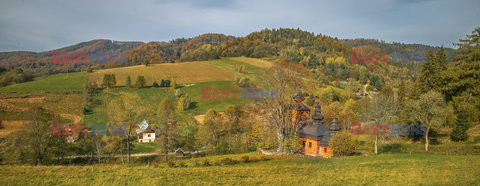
{"x":426,"y":139}
{"x":128,"y":148}
{"x":165,"y":145}
{"x":280,"y":140}
{"x":376,"y":142}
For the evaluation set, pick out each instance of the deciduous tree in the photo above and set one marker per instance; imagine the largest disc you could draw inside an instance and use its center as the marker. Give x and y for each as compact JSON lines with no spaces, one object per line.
{"x":429,"y":110}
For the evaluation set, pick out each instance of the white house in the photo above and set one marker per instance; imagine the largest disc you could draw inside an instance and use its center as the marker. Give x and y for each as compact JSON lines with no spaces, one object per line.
{"x":146,"y":136}
{"x":145,"y":133}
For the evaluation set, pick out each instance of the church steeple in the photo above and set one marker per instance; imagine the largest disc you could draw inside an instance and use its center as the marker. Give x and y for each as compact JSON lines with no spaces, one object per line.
{"x":299,"y":97}
{"x":334,"y":127}
{"x":317,"y":116}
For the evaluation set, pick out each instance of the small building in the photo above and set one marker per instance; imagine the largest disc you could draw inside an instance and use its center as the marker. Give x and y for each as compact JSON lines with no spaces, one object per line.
{"x":147,"y":136}
{"x":179,"y":152}
{"x":315,"y":135}
{"x":145,"y":133}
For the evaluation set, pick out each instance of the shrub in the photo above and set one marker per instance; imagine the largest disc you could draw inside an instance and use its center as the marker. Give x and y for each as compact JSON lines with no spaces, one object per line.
{"x":264,"y":158}
{"x":179,"y":93}
{"x":174,"y":85}
{"x":217,"y":162}
{"x":181,"y":163}
{"x":183,"y":103}
{"x":155,"y":84}
{"x":129,"y":82}
{"x":228,"y":161}
{"x":140,"y":83}
{"x":221,"y":148}
{"x":195,"y":163}
{"x":343,"y":144}
{"x":243,"y":82}
{"x":205,"y":162}
{"x":244,"y":159}
{"x":253,"y":159}
{"x":171,"y":163}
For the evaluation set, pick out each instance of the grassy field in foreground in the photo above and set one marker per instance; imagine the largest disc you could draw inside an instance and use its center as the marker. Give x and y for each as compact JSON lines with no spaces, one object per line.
{"x":65,"y":82}
{"x":385,"y":169}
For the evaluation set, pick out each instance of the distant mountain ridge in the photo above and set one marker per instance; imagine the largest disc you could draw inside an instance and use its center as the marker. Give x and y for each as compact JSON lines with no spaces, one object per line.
{"x":40,"y":62}
{"x":284,"y":44}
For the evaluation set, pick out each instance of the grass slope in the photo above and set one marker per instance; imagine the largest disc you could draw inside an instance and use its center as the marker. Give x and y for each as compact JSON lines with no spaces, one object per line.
{"x":153,"y":96}
{"x":385,"y":169}
{"x":70,"y":82}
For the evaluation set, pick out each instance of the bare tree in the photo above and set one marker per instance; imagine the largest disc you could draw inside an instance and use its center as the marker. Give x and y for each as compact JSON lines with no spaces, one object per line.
{"x":284,"y":79}
{"x":382,"y":110}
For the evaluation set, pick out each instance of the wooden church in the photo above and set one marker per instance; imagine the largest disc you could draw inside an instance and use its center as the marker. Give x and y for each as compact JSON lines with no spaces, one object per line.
{"x":314,"y":133}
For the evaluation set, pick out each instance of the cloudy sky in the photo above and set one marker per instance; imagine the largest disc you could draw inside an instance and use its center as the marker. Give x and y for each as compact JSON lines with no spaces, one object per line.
{"x":42,"y":25}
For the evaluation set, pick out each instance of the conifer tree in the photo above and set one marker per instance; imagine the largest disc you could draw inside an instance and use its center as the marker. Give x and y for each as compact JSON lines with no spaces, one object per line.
{"x":462,"y":124}
{"x":129,"y":82}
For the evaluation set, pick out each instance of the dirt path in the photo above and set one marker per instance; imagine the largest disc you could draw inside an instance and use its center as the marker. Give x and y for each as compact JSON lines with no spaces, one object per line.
{"x":75,"y":118}
{"x":11,"y":107}
{"x":134,"y":155}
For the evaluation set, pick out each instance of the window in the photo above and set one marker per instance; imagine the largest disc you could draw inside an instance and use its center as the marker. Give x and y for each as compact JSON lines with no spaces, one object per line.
{"x":310,"y":144}
{"x":303,"y":143}
{"x":141,"y":141}
{"x":325,"y":149}
{"x":148,"y":135}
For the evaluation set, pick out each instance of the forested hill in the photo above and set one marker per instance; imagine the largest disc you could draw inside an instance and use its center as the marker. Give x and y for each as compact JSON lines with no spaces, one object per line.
{"x":396,"y":47}
{"x":288,"y":44}
{"x":202,"y":47}
{"x":40,"y":62}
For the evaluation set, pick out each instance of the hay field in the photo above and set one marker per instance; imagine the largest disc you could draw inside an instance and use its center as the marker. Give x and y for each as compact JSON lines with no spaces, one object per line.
{"x":188,"y":72}
{"x":254,"y":61}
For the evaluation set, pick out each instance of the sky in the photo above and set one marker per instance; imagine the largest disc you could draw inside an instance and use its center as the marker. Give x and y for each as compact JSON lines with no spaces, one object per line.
{"x":43,"y":25}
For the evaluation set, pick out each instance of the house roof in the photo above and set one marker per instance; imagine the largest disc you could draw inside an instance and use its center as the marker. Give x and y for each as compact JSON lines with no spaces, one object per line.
{"x":144,"y":125}
{"x":316,"y":132}
{"x":179,"y":149}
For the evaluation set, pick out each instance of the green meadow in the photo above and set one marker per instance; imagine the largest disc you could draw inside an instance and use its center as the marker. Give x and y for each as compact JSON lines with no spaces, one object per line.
{"x":57,"y":83}
{"x":384,"y":169}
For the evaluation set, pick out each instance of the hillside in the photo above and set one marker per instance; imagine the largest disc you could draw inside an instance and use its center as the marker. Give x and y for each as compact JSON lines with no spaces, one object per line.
{"x":162,"y":52}
{"x":41,"y":62}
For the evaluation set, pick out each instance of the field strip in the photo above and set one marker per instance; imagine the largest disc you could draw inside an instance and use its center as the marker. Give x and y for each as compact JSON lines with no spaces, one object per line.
{"x":253,"y":61}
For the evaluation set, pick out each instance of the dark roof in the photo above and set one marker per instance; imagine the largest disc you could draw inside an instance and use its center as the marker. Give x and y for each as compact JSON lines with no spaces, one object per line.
{"x":316,"y":132}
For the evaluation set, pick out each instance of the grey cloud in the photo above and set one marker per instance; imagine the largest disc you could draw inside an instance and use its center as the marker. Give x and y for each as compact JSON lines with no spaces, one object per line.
{"x":50,"y":24}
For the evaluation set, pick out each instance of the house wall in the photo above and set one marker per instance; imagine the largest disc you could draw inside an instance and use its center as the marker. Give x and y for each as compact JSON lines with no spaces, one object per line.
{"x":146,"y":139}
{"x":316,"y":149}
